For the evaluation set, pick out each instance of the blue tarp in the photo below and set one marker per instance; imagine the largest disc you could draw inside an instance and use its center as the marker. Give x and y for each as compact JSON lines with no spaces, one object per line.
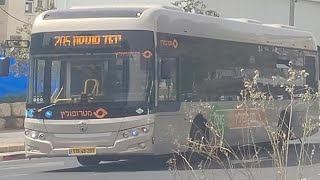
{"x":13,"y":85}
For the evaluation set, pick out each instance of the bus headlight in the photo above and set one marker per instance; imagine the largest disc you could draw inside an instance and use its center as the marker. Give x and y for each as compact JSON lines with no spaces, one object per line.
{"x":33,"y":134}
{"x":41,"y":136}
{"x":145,"y":130}
{"x":135,"y":132}
{"x":26,"y":132}
{"x":125,"y":134}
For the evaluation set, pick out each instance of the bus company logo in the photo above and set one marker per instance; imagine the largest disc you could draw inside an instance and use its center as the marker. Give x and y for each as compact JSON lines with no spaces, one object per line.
{"x":169,"y":43}
{"x":147,"y":54}
{"x":99,"y":113}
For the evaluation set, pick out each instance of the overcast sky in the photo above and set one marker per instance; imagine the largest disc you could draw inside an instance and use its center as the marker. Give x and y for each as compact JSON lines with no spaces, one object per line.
{"x":61,"y":4}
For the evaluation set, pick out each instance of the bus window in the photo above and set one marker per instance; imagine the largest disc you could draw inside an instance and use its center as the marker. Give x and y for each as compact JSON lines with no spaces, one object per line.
{"x":215,"y":69}
{"x":168,"y":80}
{"x":56,"y":88}
{"x":85,"y":75}
{"x":38,"y":91}
{"x":310,"y":67}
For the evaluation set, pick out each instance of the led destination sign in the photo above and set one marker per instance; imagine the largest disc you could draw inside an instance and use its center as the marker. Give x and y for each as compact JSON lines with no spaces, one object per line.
{"x":76,"y":41}
{"x":100,"y":41}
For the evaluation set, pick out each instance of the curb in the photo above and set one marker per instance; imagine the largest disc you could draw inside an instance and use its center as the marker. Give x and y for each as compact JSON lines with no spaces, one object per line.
{"x":12,"y":156}
{"x":8,"y":149}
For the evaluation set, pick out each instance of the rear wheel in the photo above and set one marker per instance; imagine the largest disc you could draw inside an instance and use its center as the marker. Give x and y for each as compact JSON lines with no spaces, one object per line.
{"x":200,"y":142}
{"x":88,"y":160}
{"x":200,"y":133}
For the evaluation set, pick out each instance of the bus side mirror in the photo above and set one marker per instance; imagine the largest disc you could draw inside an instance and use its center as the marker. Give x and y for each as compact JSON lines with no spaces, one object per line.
{"x":4,"y":66}
{"x":167,"y":68}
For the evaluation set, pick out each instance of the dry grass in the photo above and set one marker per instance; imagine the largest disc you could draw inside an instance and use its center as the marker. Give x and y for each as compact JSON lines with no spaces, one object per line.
{"x":216,"y":150}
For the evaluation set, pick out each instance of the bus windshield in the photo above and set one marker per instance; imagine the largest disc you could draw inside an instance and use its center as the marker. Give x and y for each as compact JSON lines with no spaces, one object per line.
{"x":111,"y":77}
{"x":91,"y":66}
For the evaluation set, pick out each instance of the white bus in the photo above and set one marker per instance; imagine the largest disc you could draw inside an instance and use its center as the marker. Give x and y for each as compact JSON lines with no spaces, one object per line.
{"x":116,"y":82}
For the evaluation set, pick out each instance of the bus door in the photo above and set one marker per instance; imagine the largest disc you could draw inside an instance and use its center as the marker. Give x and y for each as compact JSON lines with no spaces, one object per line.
{"x":169,"y":124}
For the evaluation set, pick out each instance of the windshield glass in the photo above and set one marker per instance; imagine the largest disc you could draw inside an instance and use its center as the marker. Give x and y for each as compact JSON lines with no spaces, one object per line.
{"x":95,"y":78}
{"x":91,"y":66}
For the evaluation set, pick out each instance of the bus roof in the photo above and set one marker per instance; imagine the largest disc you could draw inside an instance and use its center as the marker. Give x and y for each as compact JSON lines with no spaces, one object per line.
{"x":167,"y":19}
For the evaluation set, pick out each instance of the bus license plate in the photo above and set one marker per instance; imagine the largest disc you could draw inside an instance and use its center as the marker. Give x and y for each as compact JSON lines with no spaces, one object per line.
{"x":82,"y":151}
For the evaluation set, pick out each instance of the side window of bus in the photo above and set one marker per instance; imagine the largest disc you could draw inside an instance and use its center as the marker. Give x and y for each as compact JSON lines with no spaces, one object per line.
{"x":168,"y":86}
{"x":310,"y":67}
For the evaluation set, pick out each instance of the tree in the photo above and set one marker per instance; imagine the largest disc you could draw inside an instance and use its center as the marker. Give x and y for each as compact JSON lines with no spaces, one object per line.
{"x":22,"y":54}
{"x":195,"y":6}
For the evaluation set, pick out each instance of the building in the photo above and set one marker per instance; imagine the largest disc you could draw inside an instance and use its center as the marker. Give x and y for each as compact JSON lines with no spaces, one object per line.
{"x":13,"y":14}
{"x":307,"y":12}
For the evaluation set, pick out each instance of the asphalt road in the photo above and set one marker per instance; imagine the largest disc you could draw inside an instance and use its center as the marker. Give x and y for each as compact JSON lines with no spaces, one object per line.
{"x":68,"y":168}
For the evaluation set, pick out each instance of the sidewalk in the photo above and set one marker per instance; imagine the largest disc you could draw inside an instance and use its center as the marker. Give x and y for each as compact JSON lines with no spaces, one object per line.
{"x":11,"y":145}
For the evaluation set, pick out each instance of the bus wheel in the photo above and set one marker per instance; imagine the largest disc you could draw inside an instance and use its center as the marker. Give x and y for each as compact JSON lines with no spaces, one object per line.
{"x":88,"y":160}
{"x":199,"y":146}
{"x":199,"y":132}
{"x":199,"y":135}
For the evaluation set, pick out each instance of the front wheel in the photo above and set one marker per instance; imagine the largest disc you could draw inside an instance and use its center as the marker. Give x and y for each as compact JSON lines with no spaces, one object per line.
{"x":88,"y":160}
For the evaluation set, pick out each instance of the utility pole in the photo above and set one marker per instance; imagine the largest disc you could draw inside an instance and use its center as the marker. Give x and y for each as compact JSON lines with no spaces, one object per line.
{"x":291,"y":13}
{"x":3,"y":49}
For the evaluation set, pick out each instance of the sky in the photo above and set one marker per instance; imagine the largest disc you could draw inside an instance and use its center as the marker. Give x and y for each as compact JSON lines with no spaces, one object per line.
{"x":62,"y":4}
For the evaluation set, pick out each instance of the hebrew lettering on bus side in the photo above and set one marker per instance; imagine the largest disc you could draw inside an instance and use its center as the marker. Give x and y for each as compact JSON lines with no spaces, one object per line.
{"x":65,"y":113}
{"x":74,"y":113}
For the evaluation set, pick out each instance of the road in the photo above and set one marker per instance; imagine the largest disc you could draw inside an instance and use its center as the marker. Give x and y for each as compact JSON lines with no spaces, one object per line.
{"x":68,"y":168}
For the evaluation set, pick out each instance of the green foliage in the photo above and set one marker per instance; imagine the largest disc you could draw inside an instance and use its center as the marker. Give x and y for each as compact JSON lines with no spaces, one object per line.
{"x":195,"y":6}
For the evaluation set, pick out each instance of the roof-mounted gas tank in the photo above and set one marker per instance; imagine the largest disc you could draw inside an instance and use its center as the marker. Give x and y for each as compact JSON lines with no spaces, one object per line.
{"x":119,"y":11}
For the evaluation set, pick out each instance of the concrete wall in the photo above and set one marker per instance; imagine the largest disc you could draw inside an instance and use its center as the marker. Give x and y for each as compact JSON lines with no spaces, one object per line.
{"x":12,"y":115}
{"x":307,"y":12}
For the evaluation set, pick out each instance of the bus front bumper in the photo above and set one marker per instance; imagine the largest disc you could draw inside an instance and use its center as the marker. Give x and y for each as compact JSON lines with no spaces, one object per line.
{"x":141,"y":144}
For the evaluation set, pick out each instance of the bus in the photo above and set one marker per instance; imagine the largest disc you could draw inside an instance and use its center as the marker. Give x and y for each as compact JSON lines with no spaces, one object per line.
{"x":126,"y":81}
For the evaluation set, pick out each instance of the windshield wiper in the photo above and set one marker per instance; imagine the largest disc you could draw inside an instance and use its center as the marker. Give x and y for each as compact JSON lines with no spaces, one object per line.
{"x":46,"y":107}
{"x":54,"y":100}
